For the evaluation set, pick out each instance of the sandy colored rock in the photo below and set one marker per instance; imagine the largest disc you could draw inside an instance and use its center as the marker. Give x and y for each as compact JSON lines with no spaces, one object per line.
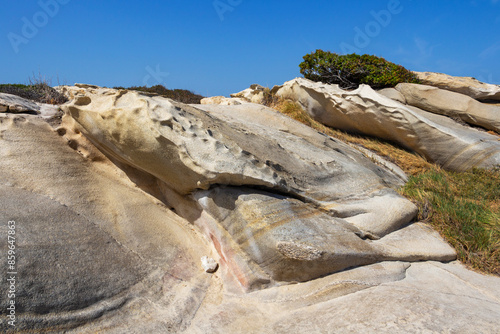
{"x":364,"y":111}
{"x":16,"y":104}
{"x":292,"y":241}
{"x":393,"y":94}
{"x":254,"y":94}
{"x":222,"y":100}
{"x":454,"y":105}
{"x":90,"y":242}
{"x":463,"y":85}
{"x":319,"y":203}
{"x":101,"y":253}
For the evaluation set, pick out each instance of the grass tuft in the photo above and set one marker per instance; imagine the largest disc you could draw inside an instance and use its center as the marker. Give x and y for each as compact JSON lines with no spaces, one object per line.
{"x":465,"y":208}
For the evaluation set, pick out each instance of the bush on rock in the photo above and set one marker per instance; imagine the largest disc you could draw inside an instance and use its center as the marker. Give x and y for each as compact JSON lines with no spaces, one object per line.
{"x":349,"y":71}
{"x":179,"y":95}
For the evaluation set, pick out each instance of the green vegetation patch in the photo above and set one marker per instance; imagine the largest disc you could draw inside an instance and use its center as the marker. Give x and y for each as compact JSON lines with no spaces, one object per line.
{"x":179,"y":95}
{"x":465,"y":208}
{"x":349,"y":71}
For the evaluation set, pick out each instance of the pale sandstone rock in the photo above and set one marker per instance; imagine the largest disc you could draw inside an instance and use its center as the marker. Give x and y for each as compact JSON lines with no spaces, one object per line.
{"x":463,"y":85}
{"x":455,"y":105}
{"x":101,"y":255}
{"x":254,"y":94}
{"x":319,"y":201}
{"x":90,"y":242}
{"x":393,"y":94}
{"x":365,"y":111}
{"x":222,"y":100}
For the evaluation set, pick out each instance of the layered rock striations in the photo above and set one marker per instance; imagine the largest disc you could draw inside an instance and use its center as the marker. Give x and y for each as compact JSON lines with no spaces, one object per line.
{"x":451,"y":104}
{"x":463,"y":85}
{"x":365,"y":111}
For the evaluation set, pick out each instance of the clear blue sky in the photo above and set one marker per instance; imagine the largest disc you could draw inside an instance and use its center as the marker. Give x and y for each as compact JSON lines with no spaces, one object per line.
{"x":221,"y":47}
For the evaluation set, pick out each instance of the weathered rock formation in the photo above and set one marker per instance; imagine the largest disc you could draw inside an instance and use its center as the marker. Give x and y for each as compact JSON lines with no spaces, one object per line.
{"x":223,"y":101}
{"x":115,"y":208}
{"x":463,"y":85}
{"x":453,"y":105}
{"x":365,"y":111}
{"x":280,"y":201}
{"x":254,"y":94}
{"x":14,"y":104}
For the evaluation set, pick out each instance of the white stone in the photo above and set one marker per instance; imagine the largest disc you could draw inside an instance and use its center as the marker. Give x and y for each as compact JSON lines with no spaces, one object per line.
{"x":209,"y":264}
{"x":464,"y":85}
{"x":451,"y":104}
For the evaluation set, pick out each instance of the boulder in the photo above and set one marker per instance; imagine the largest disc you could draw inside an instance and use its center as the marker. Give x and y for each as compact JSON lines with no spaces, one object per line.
{"x":454,"y":105}
{"x":224,"y":101}
{"x":254,"y":94}
{"x":464,"y":85}
{"x":16,"y":104}
{"x":365,"y":111}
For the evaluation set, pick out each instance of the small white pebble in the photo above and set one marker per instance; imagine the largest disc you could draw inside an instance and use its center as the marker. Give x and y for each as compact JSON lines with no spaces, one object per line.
{"x":209,"y":264}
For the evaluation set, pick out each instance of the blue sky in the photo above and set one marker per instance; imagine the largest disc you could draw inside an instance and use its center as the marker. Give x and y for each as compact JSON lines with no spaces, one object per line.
{"x":221,"y":47}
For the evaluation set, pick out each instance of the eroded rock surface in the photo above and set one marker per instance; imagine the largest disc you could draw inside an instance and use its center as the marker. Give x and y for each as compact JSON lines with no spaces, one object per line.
{"x":367,"y":112}
{"x":279,"y":201}
{"x":222,"y":100}
{"x":254,"y":94}
{"x":88,"y":241}
{"x":463,"y":85}
{"x":100,"y":252}
{"x":454,"y":105}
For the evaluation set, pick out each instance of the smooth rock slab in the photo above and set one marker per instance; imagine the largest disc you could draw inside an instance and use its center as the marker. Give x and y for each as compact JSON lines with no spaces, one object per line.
{"x":463,"y":85}
{"x":15,"y":104}
{"x":292,"y":241}
{"x":455,"y":105}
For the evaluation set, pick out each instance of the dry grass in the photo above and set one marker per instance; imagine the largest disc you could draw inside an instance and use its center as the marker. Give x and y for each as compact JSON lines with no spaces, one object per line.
{"x":410,"y":162}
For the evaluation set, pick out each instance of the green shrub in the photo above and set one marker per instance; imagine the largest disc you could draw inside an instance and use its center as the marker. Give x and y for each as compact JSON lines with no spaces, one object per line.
{"x":179,"y":95}
{"x":349,"y":71}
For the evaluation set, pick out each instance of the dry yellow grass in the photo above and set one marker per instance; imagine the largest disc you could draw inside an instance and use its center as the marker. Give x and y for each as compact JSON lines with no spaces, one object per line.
{"x":410,"y":162}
